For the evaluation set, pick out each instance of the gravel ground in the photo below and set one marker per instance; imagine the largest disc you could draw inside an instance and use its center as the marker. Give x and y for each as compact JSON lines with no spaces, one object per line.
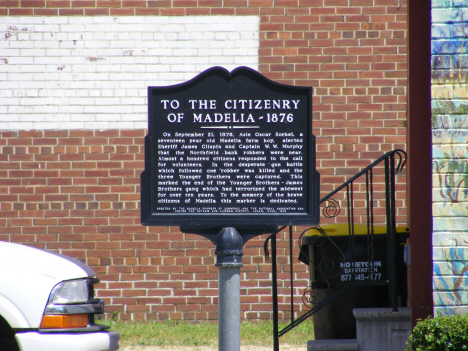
{"x":205,"y":348}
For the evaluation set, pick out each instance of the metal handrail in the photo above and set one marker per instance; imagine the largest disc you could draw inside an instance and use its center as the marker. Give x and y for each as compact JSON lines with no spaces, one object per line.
{"x":390,"y":172}
{"x":398,"y":169}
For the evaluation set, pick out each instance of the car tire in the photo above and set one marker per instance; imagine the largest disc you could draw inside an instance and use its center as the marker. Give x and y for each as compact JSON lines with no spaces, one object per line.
{"x":7,"y":336}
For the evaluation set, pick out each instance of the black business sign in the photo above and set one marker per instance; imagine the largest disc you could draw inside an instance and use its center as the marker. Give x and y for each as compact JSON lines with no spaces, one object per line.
{"x":229,"y":150}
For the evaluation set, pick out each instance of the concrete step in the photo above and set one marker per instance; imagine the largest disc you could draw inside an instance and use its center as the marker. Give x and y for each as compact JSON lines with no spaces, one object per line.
{"x":382,"y":329}
{"x":333,"y":345}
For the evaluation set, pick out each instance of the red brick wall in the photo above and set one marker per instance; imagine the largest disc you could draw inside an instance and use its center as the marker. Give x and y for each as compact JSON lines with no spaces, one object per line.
{"x":77,"y":192}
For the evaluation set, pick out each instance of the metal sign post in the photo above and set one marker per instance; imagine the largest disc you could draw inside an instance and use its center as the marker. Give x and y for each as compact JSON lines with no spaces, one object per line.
{"x":229,"y":253}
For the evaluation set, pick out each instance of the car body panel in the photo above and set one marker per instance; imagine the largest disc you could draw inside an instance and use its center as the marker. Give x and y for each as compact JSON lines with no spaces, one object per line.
{"x":12,"y":314}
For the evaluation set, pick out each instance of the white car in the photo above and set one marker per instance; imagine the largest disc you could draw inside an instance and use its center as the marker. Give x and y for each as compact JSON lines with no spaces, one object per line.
{"x":47,"y":303}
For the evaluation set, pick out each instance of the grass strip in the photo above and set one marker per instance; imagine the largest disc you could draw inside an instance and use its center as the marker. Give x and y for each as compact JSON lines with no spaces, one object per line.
{"x":179,"y":333}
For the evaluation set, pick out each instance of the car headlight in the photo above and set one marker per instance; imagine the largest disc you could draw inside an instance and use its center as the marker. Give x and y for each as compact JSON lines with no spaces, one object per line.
{"x":73,"y":291}
{"x":72,"y":305}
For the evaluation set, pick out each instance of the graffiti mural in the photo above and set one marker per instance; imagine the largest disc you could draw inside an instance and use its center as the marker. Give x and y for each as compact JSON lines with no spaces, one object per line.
{"x":450,"y":154}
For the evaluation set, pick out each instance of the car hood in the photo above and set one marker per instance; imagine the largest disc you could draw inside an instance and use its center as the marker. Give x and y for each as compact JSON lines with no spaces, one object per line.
{"x":53,"y":265}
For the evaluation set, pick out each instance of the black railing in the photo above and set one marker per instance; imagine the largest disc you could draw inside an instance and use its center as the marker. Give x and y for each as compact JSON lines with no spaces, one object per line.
{"x":327,"y":268}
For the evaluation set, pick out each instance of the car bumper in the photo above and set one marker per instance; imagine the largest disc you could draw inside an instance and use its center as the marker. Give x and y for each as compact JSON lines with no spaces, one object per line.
{"x":99,"y":341}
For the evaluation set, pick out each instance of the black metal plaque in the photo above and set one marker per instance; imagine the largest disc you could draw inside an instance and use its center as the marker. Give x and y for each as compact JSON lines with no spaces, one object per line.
{"x":229,"y":149}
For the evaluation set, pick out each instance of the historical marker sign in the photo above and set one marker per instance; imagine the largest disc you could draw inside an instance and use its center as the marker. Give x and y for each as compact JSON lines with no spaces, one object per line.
{"x":229,"y":149}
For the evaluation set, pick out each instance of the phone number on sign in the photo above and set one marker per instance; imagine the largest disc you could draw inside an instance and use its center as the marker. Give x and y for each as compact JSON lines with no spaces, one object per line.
{"x":349,"y":277}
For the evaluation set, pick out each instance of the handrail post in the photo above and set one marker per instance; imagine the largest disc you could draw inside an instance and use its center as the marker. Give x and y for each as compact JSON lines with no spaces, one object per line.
{"x":391,"y":240}
{"x":393,"y":234}
{"x":275,"y":294}
{"x":291,"y":272}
